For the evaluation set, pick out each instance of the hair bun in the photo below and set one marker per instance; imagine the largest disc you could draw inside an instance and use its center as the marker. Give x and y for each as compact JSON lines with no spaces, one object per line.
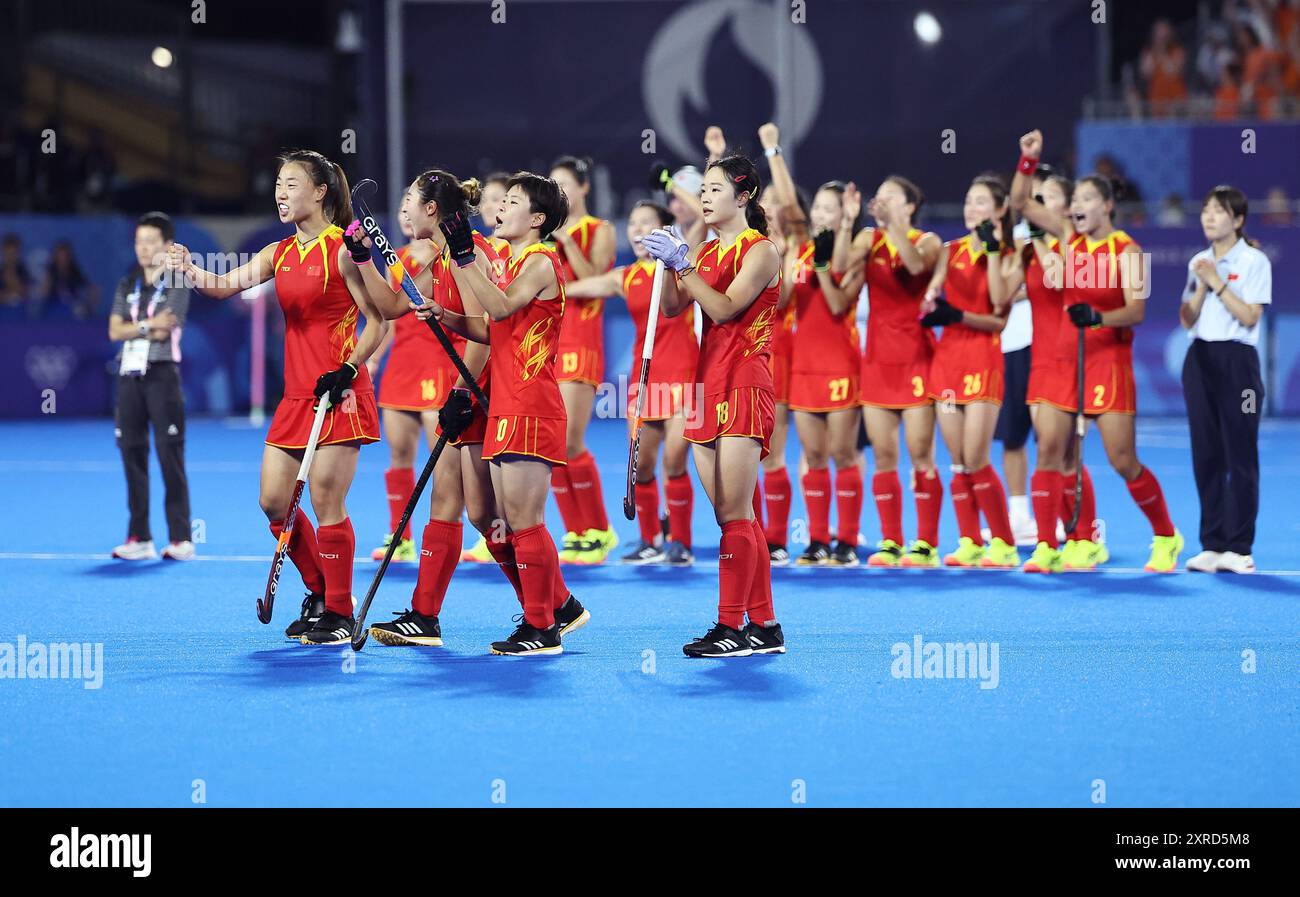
{"x":472,"y":190}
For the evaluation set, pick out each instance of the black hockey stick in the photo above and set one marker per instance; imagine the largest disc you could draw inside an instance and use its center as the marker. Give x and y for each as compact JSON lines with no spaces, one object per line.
{"x":1080,"y":427}
{"x":359,"y":633}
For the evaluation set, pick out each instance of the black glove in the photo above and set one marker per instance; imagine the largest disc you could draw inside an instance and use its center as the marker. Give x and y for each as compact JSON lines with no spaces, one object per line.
{"x":456,"y":413}
{"x":944,"y":314}
{"x":1084,"y":315}
{"x":660,"y":179}
{"x":460,"y":238}
{"x":984,"y":230}
{"x":336,"y":382}
{"x":352,"y":240}
{"x":823,"y":247}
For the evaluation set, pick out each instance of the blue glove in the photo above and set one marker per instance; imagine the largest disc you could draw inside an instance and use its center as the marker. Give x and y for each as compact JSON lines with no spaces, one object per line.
{"x":665,"y":246}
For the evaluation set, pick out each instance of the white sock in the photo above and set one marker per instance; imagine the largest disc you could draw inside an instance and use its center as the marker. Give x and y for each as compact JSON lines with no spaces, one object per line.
{"x":1019,"y":507}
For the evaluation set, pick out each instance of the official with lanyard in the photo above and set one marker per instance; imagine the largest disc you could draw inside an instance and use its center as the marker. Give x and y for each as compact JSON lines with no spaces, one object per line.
{"x":147,"y":318}
{"x":1228,"y":286}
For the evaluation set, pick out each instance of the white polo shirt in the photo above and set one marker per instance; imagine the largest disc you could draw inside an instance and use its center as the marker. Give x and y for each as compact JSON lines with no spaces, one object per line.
{"x":1249,"y":274}
{"x":1019,"y":331}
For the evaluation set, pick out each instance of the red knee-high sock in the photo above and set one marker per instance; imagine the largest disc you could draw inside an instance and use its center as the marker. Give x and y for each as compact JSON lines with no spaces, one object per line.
{"x":538,"y":560}
{"x":680,"y":495}
{"x":303,"y":551}
{"x":848,"y":503}
{"x":400,"y":482}
{"x":646,"y":496}
{"x":587,"y":493}
{"x":992,"y":501}
{"x":337,"y":544}
{"x":759,"y":606}
{"x":1083,"y":528}
{"x":1045,"y":489}
{"x":963,"y":503}
{"x":817,"y":499}
{"x":928,"y":490}
{"x":757,"y":501}
{"x":439,"y":553}
{"x":1146,"y":492}
{"x":736,"y":566}
{"x":562,"y":488}
{"x":503,"y":553}
{"x":889,"y":504}
{"x":776,"y":491}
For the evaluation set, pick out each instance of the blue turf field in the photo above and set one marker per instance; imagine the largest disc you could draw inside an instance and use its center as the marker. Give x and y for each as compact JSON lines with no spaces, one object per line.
{"x":1120,"y":676}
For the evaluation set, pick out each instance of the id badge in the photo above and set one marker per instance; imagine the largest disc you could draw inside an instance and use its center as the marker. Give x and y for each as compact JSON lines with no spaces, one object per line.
{"x":135,"y":357}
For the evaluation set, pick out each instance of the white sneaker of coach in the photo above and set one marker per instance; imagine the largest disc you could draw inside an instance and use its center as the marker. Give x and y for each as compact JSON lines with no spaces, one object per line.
{"x":1025,"y":529}
{"x":1231,"y":562}
{"x":179,"y":551}
{"x":1205,"y":562}
{"x":135,"y":550}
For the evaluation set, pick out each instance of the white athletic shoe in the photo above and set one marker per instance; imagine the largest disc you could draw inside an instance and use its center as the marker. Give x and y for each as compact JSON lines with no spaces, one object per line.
{"x":134,"y":549}
{"x":1205,"y":562}
{"x":1025,"y":530}
{"x":1231,"y":562}
{"x":179,"y":551}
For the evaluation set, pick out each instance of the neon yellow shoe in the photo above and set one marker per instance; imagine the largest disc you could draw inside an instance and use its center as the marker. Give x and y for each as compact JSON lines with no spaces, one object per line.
{"x":404,"y":552}
{"x":594,"y":545}
{"x":569,"y":548}
{"x":968,"y":554}
{"x":890,"y":554}
{"x":1045,"y":559}
{"x":479,"y":554}
{"x":1083,"y":554}
{"x":921,"y":554}
{"x":1000,"y":554}
{"x":1164,"y":553}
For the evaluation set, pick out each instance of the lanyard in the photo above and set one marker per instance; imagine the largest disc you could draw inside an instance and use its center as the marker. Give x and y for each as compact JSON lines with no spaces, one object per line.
{"x":134,"y":300}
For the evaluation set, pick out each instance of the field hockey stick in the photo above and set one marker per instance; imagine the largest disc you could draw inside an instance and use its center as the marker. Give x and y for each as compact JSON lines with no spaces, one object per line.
{"x":266,"y":603}
{"x":386,"y":251}
{"x":359,"y":633}
{"x":1080,"y":427}
{"x":647,"y":349}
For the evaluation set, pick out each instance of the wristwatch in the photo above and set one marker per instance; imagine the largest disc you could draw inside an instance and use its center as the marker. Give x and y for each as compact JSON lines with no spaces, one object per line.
{"x":772,"y":151}
{"x":143,"y":328}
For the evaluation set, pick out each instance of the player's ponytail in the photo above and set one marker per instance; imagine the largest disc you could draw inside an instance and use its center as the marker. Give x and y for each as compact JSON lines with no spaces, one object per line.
{"x":451,"y":196}
{"x":743,"y":177}
{"x":336,"y":205}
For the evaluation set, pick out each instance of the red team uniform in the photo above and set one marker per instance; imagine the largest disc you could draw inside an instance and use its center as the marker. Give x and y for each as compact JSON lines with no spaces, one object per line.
{"x":582,"y":338}
{"x":1109,"y":387}
{"x":967,"y":363}
{"x":526,"y":414}
{"x":418,"y":375}
{"x":782,"y":354}
{"x":825,"y":360}
{"x":670,"y":387}
{"x":320,"y":332}
{"x":447,"y":294}
{"x":735,"y":366}
{"x":896,"y":364}
{"x":1048,"y":312}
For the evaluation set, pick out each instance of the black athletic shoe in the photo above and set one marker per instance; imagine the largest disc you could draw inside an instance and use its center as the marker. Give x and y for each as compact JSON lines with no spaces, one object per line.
{"x":778,"y":555}
{"x":410,"y":628}
{"x":844,"y":555}
{"x":817,"y":555}
{"x":528,"y":640}
{"x":312,"y":607}
{"x":644,"y":553}
{"x":330,"y":629}
{"x":763,"y":640}
{"x":678,"y":555}
{"x":720,"y":641}
{"x":571,"y":616}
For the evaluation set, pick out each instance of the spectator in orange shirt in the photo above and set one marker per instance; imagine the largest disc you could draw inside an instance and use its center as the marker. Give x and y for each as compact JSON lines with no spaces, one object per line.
{"x":1227,"y":99}
{"x":1163,"y":62}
